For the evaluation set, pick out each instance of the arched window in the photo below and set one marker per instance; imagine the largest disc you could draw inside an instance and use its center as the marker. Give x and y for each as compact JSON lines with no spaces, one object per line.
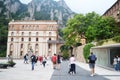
{"x":29,"y":39}
{"x":23,"y":27}
{"x":12,"y":39}
{"x":49,"y":38}
{"x":21,"y":45}
{"x":22,"y":33}
{"x":36,"y":39}
{"x":22,"y":39}
{"x":50,"y":33}
{"x":29,"y":33}
{"x":49,"y":46}
{"x":36,"y":33}
{"x":12,"y":33}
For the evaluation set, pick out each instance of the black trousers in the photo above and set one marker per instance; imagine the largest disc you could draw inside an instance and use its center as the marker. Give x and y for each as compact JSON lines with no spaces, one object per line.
{"x":72,"y":68}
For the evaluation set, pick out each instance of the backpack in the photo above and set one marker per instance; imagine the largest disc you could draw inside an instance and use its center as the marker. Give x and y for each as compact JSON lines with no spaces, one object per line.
{"x":93,"y":57}
{"x":25,"y":57}
{"x":33,"y":58}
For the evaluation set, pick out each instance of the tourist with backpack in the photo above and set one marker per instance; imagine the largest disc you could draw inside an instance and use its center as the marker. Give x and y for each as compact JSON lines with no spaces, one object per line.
{"x":54,"y":61}
{"x":91,"y":60}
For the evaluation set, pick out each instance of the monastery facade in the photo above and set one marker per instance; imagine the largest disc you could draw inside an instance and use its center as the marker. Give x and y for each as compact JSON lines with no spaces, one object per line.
{"x":39,"y":37}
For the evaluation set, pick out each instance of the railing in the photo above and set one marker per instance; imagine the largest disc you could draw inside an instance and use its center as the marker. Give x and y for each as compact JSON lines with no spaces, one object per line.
{"x":55,"y":41}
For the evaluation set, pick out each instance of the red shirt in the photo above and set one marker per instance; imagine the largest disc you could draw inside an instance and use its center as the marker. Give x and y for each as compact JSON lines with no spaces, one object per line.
{"x":54,"y":58}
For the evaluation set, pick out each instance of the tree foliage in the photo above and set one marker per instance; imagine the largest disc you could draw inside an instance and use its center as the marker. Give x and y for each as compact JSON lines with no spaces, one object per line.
{"x":92,"y":26}
{"x":3,"y":37}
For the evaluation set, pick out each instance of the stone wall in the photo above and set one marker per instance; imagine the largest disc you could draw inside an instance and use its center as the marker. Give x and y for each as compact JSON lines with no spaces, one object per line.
{"x":78,"y":52}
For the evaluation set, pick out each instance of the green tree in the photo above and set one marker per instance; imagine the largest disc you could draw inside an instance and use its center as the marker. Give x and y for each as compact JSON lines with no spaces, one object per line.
{"x":73,"y":30}
{"x":105,"y":28}
{"x":92,"y":25}
{"x":3,"y":40}
{"x":3,"y":36}
{"x":77,"y":26}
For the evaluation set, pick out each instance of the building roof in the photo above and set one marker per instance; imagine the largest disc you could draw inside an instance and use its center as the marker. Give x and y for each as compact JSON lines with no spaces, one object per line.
{"x":108,"y":46}
{"x":111,"y":7}
{"x":33,"y":22}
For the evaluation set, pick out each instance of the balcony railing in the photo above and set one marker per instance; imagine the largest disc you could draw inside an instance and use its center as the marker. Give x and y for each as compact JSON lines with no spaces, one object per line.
{"x":55,"y":41}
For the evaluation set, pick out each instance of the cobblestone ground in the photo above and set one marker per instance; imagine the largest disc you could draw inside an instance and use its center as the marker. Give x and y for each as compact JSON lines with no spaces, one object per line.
{"x":23,"y":71}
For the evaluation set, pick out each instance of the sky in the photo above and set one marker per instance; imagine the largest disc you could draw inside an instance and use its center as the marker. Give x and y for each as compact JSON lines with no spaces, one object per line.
{"x":86,"y":6}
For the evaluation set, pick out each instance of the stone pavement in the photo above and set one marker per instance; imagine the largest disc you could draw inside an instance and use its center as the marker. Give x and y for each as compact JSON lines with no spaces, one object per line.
{"x":23,"y":71}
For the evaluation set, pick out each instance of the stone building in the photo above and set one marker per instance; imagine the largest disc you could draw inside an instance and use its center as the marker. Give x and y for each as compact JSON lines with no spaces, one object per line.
{"x":39,"y":37}
{"x":114,"y":11}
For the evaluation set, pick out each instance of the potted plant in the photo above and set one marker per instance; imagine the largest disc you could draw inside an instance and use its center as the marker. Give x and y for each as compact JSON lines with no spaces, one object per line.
{"x":11,"y":63}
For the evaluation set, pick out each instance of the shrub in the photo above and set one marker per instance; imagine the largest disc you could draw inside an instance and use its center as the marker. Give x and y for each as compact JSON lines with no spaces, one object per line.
{"x":86,"y":50}
{"x":100,"y":42}
{"x":11,"y":63}
{"x":116,"y":39}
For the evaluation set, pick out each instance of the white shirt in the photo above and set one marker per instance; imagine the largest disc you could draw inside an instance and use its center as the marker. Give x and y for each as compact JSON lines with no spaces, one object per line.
{"x":115,"y":61}
{"x":118,"y":59}
{"x":72,"y":60}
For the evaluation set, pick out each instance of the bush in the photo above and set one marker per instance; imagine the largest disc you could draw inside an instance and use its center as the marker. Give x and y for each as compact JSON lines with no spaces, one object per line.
{"x":86,"y":50}
{"x":116,"y":39}
{"x":100,"y":42}
{"x":11,"y":63}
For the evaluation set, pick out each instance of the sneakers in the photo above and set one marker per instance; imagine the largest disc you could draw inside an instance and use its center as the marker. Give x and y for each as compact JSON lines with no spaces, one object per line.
{"x":92,"y":75}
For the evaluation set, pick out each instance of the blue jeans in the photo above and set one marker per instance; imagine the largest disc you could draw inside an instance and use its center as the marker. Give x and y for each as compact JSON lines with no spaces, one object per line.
{"x":115,"y":67}
{"x":33,"y":63}
{"x":118,"y":65}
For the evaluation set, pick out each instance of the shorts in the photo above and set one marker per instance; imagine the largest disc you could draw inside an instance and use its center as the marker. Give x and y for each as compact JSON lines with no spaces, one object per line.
{"x":92,"y":65}
{"x":54,"y":62}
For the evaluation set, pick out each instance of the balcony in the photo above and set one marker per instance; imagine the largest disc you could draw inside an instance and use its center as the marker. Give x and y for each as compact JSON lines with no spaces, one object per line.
{"x":55,"y":41}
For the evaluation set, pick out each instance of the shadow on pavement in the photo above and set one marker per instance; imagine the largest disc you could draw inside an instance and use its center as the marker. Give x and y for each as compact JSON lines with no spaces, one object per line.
{"x":81,"y":74}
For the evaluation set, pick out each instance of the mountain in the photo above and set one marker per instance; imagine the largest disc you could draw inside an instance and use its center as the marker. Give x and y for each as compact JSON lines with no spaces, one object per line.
{"x":36,"y":10}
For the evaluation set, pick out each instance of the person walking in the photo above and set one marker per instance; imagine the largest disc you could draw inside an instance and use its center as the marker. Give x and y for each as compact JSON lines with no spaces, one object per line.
{"x":91,"y":60}
{"x":40,"y":58}
{"x":118,"y":63}
{"x":33,"y":60}
{"x":54,"y":61}
{"x":72,"y":69}
{"x":115,"y":63}
{"x":58,"y":61}
{"x":26,"y":58}
{"x":44,"y":60}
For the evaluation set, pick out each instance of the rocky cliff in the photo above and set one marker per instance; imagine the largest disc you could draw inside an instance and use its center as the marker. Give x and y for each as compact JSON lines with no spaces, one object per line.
{"x":36,"y":10}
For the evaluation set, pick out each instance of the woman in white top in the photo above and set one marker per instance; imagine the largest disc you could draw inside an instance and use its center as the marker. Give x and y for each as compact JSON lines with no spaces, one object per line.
{"x":115,"y":63}
{"x":72,"y":65}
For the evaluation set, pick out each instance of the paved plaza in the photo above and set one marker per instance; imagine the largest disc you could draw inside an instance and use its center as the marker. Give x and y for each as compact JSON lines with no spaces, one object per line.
{"x":23,"y":71}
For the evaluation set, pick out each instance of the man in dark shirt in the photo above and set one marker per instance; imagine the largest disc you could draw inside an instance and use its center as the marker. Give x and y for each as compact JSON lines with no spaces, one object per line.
{"x":91,"y":60}
{"x":33,"y":59}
